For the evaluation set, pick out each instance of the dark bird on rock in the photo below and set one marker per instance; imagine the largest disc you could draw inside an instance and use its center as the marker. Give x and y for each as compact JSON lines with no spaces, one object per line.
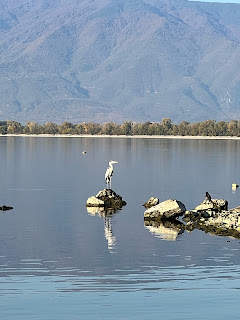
{"x":208,"y":197}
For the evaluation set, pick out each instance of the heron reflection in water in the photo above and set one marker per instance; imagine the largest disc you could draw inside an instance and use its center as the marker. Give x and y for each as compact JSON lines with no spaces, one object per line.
{"x":109,"y":233}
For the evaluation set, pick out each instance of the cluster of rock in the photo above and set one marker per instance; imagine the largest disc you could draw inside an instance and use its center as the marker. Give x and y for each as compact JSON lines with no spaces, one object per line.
{"x":215,"y":219}
{"x":211,"y":216}
{"x":107,"y":199}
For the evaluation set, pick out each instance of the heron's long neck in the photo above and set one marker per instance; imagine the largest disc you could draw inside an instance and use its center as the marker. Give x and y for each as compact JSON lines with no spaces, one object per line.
{"x":111,"y":166}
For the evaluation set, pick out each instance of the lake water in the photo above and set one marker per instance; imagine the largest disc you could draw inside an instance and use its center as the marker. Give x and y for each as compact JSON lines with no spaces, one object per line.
{"x":59,"y":261}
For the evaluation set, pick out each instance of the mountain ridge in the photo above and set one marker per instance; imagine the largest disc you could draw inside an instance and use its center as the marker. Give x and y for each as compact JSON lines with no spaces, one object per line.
{"x":118,"y":60}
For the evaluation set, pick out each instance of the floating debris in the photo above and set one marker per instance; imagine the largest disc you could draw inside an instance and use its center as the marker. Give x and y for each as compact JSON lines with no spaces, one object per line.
{"x":235,"y":186}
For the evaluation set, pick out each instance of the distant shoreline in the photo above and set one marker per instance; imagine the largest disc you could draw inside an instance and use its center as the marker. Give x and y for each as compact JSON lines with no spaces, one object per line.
{"x":121,"y":136}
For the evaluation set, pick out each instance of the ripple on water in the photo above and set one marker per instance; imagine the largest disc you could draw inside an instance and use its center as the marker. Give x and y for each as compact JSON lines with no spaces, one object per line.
{"x":151,"y":279}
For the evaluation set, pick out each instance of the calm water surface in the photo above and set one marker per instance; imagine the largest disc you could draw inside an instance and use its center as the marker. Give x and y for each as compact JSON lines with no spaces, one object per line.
{"x":60,"y":261}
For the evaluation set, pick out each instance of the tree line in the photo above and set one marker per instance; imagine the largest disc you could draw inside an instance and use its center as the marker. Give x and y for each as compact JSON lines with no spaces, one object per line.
{"x":165,"y":127}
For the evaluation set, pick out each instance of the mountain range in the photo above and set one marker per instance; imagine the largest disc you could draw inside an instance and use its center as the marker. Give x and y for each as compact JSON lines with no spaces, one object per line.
{"x":119,"y":60}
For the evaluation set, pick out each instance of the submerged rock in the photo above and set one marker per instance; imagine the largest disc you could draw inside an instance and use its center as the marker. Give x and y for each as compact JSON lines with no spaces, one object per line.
{"x":151,"y":202}
{"x":106,"y":198}
{"x":169,"y":209}
{"x":5,"y":208}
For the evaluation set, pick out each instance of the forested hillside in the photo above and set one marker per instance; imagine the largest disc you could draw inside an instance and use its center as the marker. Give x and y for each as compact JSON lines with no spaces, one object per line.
{"x":119,"y":60}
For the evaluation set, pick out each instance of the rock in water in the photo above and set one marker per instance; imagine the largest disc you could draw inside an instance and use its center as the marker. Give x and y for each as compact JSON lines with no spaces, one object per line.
{"x":106,"y":198}
{"x":151,"y":202}
{"x":5,"y":208}
{"x":215,"y":204}
{"x":169,"y":209}
{"x":94,"y":202}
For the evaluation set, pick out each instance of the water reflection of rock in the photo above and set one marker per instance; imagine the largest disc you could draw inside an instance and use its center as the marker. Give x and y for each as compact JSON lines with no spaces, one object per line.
{"x":105,"y":213}
{"x":165,"y":229}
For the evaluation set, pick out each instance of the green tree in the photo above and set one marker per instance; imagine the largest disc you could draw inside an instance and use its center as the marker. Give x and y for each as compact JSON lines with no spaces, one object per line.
{"x":183,"y":128}
{"x":3,"y":127}
{"x":14,"y":127}
{"x":80,"y":129}
{"x":32,"y":128}
{"x":92,"y":128}
{"x":126,"y":128}
{"x":167,"y":126}
{"x":207,"y":128}
{"x":233,"y":128}
{"x":50,"y":128}
{"x":66,"y":128}
{"x":221,"y":128}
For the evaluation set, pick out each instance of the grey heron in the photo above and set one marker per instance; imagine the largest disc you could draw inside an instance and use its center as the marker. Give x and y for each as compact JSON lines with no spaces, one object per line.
{"x":109,"y":173}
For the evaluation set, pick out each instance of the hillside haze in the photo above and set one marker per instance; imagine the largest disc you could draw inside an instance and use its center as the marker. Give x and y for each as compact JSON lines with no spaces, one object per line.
{"x":117,"y":60}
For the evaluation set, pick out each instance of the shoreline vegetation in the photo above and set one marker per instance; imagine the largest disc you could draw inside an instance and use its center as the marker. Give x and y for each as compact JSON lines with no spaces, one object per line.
{"x":209,"y":129}
{"x":46,"y":135}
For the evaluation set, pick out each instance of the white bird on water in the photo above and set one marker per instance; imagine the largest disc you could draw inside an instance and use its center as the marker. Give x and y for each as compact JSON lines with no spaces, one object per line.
{"x":109,"y":173}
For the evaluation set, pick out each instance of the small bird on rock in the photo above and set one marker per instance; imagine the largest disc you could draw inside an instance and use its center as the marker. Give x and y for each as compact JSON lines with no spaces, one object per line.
{"x":208,"y":197}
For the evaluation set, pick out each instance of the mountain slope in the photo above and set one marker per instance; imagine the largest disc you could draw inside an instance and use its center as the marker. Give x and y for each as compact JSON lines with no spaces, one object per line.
{"x":116,"y":60}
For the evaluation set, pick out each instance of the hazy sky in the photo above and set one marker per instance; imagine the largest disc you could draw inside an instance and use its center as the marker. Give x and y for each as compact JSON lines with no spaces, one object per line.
{"x":224,"y":1}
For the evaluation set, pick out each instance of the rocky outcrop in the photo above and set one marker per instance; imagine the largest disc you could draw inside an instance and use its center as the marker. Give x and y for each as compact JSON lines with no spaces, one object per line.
{"x":151,"y":202}
{"x":5,"y":208}
{"x":214,"y":219}
{"x":216,"y":205}
{"x":169,"y":209}
{"x":106,"y":198}
{"x":211,"y":216}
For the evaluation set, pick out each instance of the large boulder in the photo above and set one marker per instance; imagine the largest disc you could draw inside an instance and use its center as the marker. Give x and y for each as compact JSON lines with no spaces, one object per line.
{"x":169,"y":209}
{"x":106,"y":198}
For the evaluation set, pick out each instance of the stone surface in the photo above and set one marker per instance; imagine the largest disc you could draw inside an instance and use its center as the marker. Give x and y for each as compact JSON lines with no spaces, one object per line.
{"x":169,"y":209}
{"x":215,"y":222}
{"x":151,"y":202}
{"x":106,"y":198}
{"x":94,"y":202}
{"x":215,"y":204}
